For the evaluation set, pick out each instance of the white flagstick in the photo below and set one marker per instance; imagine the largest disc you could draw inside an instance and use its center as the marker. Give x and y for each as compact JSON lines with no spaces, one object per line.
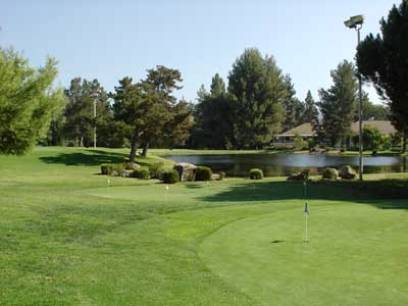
{"x":306,"y":212}
{"x":166,"y":194}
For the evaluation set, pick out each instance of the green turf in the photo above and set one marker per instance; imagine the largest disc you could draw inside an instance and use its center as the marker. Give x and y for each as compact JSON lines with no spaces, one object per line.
{"x":69,"y":238}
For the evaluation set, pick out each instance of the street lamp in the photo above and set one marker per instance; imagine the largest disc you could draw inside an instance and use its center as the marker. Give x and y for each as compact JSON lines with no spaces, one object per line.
{"x":356,"y":22}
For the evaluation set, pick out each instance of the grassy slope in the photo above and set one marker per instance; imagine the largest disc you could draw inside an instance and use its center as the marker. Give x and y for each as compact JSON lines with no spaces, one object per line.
{"x":69,"y":238}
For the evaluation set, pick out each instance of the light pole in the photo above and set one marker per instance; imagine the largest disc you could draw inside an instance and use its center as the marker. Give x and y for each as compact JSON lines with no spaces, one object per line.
{"x":356,"y":22}
{"x":94,"y":96}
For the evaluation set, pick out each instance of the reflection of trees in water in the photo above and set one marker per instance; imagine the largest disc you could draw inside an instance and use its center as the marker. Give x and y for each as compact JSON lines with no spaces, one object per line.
{"x":273,"y":165}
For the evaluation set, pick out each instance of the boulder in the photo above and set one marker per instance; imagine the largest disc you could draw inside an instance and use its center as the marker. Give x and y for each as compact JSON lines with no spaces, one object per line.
{"x":186,"y":171}
{"x":216,"y":177}
{"x":347,"y":173}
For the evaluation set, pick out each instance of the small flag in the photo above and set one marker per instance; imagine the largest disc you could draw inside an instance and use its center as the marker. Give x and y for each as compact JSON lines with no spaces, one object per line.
{"x":306,"y":209}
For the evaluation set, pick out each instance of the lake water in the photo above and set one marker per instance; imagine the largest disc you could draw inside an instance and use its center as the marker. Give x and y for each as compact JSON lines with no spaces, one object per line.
{"x":283,"y":164}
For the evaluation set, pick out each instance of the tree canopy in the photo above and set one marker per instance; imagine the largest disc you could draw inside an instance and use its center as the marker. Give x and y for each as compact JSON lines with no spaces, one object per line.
{"x":383,"y":60}
{"x":27,"y":101}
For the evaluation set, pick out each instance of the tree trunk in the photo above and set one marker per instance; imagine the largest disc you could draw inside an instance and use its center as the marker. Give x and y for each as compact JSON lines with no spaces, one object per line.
{"x":133,"y":149}
{"x":145,"y":148}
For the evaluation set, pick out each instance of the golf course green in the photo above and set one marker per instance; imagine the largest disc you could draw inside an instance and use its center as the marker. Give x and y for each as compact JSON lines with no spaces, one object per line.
{"x":70,"y":236}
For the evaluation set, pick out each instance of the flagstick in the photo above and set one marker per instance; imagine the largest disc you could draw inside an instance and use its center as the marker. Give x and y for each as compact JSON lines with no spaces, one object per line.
{"x":306,"y":210}
{"x":306,"y":236}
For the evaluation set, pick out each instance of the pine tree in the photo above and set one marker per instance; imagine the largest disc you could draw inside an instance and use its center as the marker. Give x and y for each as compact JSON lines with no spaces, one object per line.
{"x":383,"y":60}
{"x":258,"y":90}
{"x":27,"y":102}
{"x":294,"y":109}
{"x":337,"y":104}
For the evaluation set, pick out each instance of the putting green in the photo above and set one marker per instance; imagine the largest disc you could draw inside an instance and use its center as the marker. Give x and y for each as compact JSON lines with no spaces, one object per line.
{"x":354,"y":256}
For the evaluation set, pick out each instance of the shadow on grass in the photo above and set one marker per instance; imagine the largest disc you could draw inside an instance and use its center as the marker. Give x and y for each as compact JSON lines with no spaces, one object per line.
{"x":378,"y":193}
{"x":90,"y":158}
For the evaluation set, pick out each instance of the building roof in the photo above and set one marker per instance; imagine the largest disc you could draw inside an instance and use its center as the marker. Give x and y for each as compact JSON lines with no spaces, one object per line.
{"x":304,"y":130}
{"x":384,"y":126}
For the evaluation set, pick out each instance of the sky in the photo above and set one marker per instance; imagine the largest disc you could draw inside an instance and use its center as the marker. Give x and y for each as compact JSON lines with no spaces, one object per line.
{"x":109,"y":40}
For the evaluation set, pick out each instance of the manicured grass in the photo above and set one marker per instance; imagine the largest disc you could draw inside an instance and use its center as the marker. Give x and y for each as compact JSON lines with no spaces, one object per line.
{"x":69,"y":238}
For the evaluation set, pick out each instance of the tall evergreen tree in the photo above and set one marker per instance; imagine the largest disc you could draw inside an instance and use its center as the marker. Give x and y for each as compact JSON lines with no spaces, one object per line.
{"x":158,"y":88}
{"x":258,"y":89}
{"x":129,"y":112}
{"x":213,"y":116}
{"x":337,"y":104}
{"x":79,"y":114}
{"x":383,"y":60}
{"x":27,"y":102}
{"x":311,"y":113}
{"x":293,"y":107}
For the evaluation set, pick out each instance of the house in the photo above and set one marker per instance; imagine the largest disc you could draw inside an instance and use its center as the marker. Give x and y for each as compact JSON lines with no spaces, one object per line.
{"x":306,"y":132}
{"x":287,"y":138}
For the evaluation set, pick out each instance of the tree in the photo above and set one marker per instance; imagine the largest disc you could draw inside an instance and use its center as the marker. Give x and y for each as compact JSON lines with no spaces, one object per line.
{"x":311,"y":113}
{"x":372,"y":111}
{"x":79,"y":114}
{"x":160,"y":103}
{"x":337,"y":104}
{"x":294,"y":109}
{"x":383,"y":60}
{"x":213,"y":127}
{"x":258,"y":89}
{"x":129,"y":111}
{"x":27,"y":101}
{"x":373,"y":139}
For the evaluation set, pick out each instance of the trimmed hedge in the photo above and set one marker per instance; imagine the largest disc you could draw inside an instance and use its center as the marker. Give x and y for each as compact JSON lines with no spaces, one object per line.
{"x":170,"y":176}
{"x":203,"y":173}
{"x":330,"y":174}
{"x":256,"y":174}
{"x":141,"y":173}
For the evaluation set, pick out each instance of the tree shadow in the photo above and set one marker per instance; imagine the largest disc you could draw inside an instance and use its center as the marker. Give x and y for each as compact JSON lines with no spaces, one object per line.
{"x":90,"y":158}
{"x":385,"y":194}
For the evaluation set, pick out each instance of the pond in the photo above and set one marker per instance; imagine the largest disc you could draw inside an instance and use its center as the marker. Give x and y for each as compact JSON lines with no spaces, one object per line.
{"x":283,"y":164}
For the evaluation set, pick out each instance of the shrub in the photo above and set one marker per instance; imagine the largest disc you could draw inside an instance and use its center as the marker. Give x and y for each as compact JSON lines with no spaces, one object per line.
{"x":330,"y":174}
{"x":256,"y":174}
{"x":169,"y":176}
{"x":222,"y":175}
{"x":155,"y":169}
{"x":347,"y":173}
{"x":106,"y":169}
{"x":203,"y":173}
{"x":299,"y":143}
{"x":131,"y":166}
{"x":141,"y":173}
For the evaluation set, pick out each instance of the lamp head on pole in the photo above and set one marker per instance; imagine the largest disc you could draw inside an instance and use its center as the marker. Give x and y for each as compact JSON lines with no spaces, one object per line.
{"x":354,"y":22}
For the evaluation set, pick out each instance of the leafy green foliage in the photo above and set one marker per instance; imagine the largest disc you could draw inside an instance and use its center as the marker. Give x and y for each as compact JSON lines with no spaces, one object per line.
{"x":293,"y":108}
{"x":337,"y":104}
{"x":27,"y":102}
{"x":256,"y":174}
{"x":155,"y":169}
{"x":141,"y":173}
{"x":299,"y":143}
{"x":258,"y":89}
{"x":373,"y":139}
{"x":203,"y":173}
{"x":383,"y":60}
{"x":170,"y":176}
{"x":213,"y":116}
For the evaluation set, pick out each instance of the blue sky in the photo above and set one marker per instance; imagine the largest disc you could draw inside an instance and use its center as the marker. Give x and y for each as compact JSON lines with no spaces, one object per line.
{"x":112,"y":39}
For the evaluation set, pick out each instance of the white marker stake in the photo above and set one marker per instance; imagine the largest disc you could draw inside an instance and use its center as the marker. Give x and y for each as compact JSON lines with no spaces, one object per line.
{"x":166,"y":194}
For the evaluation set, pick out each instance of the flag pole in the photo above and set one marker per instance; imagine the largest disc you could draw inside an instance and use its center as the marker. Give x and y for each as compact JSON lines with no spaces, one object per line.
{"x":306,"y":210}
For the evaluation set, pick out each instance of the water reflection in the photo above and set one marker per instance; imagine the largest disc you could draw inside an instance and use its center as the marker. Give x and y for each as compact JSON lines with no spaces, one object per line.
{"x":289,"y":163}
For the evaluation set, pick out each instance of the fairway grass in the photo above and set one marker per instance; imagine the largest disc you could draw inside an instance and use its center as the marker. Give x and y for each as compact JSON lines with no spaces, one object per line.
{"x":70,"y":238}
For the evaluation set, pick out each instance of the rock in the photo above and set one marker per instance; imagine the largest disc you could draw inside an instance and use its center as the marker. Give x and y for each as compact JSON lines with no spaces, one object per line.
{"x":216,"y":177}
{"x":132,"y":166}
{"x":126,"y":173}
{"x":301,"y":176}
{"x":347,"y":173}
{"x":186,"y":171}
